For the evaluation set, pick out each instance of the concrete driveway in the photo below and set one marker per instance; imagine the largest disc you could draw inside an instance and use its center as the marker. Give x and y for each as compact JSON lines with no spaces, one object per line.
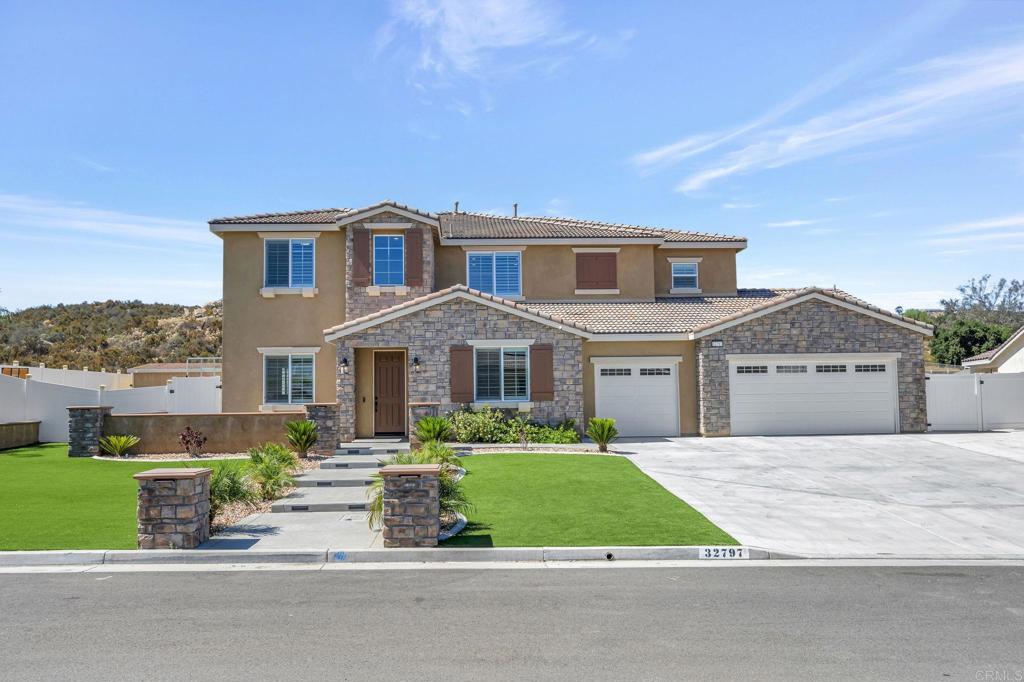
{"x":942,"y":495}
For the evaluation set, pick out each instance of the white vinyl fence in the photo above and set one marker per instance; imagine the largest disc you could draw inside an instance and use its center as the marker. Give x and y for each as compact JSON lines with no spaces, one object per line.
{"x":22,"y":400}
{"x":76,"y":377}
{"x":975,"y":402}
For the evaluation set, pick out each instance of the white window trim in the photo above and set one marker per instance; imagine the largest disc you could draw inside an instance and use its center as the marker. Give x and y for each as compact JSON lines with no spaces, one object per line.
{"x":688,"y":259}
{"x":374,"y":250}
{"x":695,"y":262}
{"x":500,"y":343}
{"x":268,"y":353}
{"x":596,"y":249}
{"x":494,"y":272}
{"x":272,"y":291}
{"x":397,"y":289}
{"x":503,"y":401}
{"x":387,"y":226}
{"x":585,"y":292}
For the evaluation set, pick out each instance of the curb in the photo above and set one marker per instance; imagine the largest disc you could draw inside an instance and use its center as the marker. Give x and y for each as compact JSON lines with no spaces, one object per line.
{"x":396,"y":555}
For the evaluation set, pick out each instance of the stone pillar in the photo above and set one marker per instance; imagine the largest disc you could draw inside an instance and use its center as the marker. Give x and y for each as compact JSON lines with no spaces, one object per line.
{"x":85,"y":427}
{"x":174,"y":508}
{"x":418,"y":411}
{"x":412,"y":507}
{"x":325,"y":416}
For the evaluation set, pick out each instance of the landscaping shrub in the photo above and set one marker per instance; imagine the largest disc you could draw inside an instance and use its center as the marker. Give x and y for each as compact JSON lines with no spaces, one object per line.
{"x":602,"y":432}
{"x":492,"y":426}
{"x":270,"y":468}
{"x":302,"y":435}
{"x":452,"y":497}
{"x":192,"y":440}
{"x":118,"y":445}
{"x":228,"y":484}
{"x":430,"y":429}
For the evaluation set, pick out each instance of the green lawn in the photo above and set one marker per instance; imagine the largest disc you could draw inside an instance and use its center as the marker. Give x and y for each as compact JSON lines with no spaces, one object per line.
{"x":531,"y":500}
{"x":50,"y":501}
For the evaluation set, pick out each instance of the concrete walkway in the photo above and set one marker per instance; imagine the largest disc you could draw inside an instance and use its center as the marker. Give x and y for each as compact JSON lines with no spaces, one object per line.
{"x":323,"y":512}
{"x":957,"y":494}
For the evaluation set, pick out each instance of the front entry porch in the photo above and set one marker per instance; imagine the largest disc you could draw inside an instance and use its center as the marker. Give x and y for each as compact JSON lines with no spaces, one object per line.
{"x":381,"y":379}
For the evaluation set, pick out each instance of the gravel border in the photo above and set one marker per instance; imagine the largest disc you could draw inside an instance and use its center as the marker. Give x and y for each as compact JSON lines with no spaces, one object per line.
{"x":454,"y":530}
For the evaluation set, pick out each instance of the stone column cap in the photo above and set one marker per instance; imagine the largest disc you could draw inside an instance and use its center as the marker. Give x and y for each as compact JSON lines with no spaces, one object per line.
{"x":411,"y":470}
{"x":172,"y":473}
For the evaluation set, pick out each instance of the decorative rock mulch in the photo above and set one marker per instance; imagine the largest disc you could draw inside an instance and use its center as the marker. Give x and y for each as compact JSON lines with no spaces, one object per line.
{"x":450,"y":525}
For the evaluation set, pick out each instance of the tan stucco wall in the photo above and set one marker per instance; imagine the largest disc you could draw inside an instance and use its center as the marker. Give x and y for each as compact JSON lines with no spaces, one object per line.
{"x":224,"y":432}
{"x":716,"y":272}
{"x":687,"y":373}
{"x":18,"y":434}
{"x":1014,"y":362}
{"x":144,"y":379}
{"x":549,"y":272}
{"x":251,"y":321}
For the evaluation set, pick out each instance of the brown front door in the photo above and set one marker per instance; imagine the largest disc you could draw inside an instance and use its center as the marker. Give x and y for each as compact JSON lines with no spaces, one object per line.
{"x":389,"y":392}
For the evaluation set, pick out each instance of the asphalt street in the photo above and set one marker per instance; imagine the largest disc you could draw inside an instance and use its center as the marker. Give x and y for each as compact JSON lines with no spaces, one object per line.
{"x":770,"y":623}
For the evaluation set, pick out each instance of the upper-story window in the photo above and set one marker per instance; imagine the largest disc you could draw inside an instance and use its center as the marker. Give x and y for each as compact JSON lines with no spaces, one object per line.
{"x":684,"y":276}
{"x":495,"y":272}
{"x":289,"y":263}
{"x":388,"y":260}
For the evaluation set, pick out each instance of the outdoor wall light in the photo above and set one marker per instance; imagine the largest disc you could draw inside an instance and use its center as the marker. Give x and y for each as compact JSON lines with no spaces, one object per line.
{"x":416,"y":364}
{"x":344,"y":365}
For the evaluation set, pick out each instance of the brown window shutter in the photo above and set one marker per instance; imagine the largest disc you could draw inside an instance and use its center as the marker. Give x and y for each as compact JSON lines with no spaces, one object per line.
{"x":596,"y":271}
{"x":542,"y":372}
{"x":461,"y":360}
{"x":414,"y":257}
{"x":360,"y":257}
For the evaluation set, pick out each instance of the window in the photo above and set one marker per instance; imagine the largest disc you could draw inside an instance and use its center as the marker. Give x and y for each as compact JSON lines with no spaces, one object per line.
{"x":868,"y":368}
{"x":497,"y":272}
{"x":502,"y":374}
{"x":288,"y":263}
{"x":752,"y":369}
{"x":655,"y":371}
{"x":616,"y":372}
{"x":830,"y":369}
{"x":791,"y":369}
{"x":684,"y":275}
{"x":388,"y":260}
{"x":287,"y":379}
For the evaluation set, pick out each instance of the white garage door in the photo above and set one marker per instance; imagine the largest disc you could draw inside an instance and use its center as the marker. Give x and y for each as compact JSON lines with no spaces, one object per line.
{"x":812,"y":394}
{"x":640,"y":394}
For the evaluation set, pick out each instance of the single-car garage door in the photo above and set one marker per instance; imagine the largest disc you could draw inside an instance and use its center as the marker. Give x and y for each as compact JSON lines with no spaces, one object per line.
{"x":640,"y":394}
{"x":812,"y":394}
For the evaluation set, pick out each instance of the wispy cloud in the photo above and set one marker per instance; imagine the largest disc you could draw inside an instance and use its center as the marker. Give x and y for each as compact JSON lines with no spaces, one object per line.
{"x":43,"y":216}
{"x":1011,"y":221}
{"x":940,"y":91}
{"x":94,"y":165}
{"x":796,"y":222}
{"x":892,"y":43}
{"x":734,"y":205}
{"x":455,"y":38}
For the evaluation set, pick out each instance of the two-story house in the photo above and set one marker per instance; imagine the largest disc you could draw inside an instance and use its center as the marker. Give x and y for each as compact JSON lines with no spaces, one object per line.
{"x":388,"y":307}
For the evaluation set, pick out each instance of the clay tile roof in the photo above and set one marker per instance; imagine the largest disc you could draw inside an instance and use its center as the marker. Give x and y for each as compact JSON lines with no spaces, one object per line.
{"x":325,"y":216}
{"x":983,"y":356}
{"x":465,"y":225}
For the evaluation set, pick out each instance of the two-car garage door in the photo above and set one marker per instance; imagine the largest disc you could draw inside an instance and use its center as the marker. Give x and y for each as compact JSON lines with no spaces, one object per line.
{"x":812,"y":394}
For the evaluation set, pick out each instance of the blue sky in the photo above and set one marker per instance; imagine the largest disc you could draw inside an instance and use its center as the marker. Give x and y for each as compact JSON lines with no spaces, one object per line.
{"x":878,"y":146}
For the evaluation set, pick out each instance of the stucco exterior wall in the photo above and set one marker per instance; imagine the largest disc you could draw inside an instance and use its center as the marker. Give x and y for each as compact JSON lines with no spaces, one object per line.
{"x":716,"y":273}
{"x":687,"y":373}
{"x":811,"y":327}
{"x":146,"y":379}
{"x":428,"y":334}
{"x":358,"y":298}
{"x":224,"y":432}
{"x":252,"y":321}
{"x":18,"y":434}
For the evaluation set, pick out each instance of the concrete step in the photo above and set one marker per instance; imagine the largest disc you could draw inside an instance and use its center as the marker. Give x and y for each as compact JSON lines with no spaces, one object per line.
{"x":335,"y":478}
{"x":374,"y":449}
{"x":323,"y":500}
{"x":353,"y":462}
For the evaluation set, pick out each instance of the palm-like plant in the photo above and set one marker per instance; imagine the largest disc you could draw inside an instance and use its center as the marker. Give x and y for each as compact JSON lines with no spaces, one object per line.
{"x":228,"y":484}
{"x":302,"y":435}
{"x":430,"y":429}
{"x":118,"y":445}
{"x":270,"y":468}
{"x":452,"y":497}
{"x":602,"y":431}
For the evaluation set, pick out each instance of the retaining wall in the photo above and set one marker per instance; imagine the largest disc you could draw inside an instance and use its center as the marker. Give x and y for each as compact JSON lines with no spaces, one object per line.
{"x":18,"y":434}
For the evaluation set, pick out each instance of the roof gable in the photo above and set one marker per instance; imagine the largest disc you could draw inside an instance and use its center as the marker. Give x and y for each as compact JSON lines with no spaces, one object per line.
{"x":1000,"y":352}
{"x":388,"y":206}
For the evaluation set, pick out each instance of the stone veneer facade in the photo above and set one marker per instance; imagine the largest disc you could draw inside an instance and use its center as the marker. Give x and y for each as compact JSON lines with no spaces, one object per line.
{"x":325,"y":416}
{"x":85,"y":428}
{"x":358,"y":301}
{"x":428,"y":334}
{"x":810,"y":327}
{"x":174,"y":508}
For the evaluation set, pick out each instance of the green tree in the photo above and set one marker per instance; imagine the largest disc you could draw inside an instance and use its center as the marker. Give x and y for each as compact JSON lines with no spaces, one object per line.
{"x":962,"y":338}
{"x":999,"y":303}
